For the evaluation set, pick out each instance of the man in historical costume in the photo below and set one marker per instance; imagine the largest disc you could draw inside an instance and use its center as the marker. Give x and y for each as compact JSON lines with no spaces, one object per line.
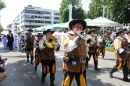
{"x":101,"y":45}
{"x":48,"y":56}
{"x":10,"y":39}
{"x":29,"y":39}
{"x":127,"y":36}
{"x":37,"y":51}
{"x":93,"y":50}
{"x":121,"y":55}
{"x":74,"y":60}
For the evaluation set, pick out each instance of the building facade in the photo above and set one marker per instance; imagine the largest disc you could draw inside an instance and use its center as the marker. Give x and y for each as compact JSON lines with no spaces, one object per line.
{"x":33,"y":17}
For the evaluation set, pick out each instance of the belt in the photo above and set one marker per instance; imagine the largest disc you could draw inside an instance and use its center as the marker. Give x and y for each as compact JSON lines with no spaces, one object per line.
{"x":50,"y":54}
{"x":82,"y":59}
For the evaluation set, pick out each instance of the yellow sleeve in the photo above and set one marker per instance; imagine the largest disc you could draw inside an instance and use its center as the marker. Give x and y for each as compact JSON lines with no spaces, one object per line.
{"x":117,"y":43}
{"x":64,"y":41}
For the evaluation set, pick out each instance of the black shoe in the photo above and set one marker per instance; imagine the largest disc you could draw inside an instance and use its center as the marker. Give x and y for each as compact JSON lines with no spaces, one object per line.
{"x":35,"y":69}
{"x":27,"y":61}
{"x":110,"y":74}
{"x":97,"y":69}
{"x":126,"y":79}
{"x":52,"y":84}
{"x":102,"y":57}
{"x":43,"y":80}
{"x":32,"y":63}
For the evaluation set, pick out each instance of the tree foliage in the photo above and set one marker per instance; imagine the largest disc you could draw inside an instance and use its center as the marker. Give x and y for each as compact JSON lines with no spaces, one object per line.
{"x":119,"y":10}
{"x":95,"y":9}
{"x":2,"y":5}
{"x":1,"y":28}
{"x":116,"y":10}
{"x":77,"y":11}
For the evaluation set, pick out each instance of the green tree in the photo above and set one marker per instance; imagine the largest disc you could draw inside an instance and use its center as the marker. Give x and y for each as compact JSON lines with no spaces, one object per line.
{"x":2,"y":5}
{"x":95,"y":9}
{"x":1,"y":28}
{"x":116,"y":10}
{"x":77,"y":11}
{"x":120,"y":11}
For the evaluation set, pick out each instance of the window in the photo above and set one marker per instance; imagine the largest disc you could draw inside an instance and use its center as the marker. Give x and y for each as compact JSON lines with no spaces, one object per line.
{"x":57,"y":18}
{"x":56,"y":14}
{"x":48,"y":22}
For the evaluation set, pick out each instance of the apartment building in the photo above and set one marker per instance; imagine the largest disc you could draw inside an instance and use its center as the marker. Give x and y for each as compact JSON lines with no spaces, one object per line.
{"x":33,"y":17}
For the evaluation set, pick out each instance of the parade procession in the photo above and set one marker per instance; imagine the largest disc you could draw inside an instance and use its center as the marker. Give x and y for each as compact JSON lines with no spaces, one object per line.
{"x":65,"y":47}
{"x":79,"y":45}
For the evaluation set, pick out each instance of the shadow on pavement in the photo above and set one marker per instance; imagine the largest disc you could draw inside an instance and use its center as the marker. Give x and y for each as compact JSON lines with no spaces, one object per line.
{"x":3,"y":50}
{"x":21,"y":56}
{"x":109,"y":59}
{"x":21,"y":73}
{"x":92,"y":76}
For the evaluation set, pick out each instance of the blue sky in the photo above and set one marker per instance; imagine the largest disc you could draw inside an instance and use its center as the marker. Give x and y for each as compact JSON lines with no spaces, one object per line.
{"x":14,"y":7}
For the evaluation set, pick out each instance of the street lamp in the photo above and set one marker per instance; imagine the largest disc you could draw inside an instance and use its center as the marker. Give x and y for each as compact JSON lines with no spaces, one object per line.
{"x":52,"y":17}
{"x":104,"y":7}
{"x":70,"y":11}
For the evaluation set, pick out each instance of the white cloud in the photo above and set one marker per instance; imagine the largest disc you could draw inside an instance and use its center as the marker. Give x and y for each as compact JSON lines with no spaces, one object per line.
{"x":14,"y":7}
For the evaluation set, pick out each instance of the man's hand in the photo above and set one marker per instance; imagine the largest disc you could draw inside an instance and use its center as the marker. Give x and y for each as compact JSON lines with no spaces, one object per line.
{"x":4,"y":60}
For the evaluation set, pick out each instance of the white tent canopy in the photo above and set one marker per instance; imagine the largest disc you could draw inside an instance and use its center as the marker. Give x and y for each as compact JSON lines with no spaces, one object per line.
{"x":103,"y":22}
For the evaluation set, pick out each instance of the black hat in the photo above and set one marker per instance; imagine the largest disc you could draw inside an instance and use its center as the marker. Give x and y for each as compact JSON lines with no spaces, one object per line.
{"x":10,"y":31}
{"x":39,"y":35}
{"x":92,"y":30}
{"x":48,"y":30}
{"x":29,"y":30}
{"x":74,"y":21}
{"x":125,"y":29}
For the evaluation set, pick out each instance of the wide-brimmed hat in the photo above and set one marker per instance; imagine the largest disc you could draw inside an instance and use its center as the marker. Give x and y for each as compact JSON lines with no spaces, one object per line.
{"x":29,"y":30}
{"x":39,"y":35}
{"x":74,"y":21}
{"x":119,"y":30}
{"x":91,"y":30}
{"x":48,"y":30}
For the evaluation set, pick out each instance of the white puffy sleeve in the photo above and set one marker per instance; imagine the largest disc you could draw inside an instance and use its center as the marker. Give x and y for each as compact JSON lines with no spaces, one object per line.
{"x":68,"y":44}
{"x":41,"y":46}
{"x":35,"y":44}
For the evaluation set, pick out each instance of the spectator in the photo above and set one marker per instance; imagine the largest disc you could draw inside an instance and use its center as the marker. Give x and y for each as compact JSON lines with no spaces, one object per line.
{"x":108,"y":42}
{"x":10,"y":40}
{"x":3,"y":74}
{"x":5,"y":41}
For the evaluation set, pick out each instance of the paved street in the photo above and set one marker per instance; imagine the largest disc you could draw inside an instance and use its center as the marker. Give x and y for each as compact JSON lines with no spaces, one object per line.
{"x":21,"y":73}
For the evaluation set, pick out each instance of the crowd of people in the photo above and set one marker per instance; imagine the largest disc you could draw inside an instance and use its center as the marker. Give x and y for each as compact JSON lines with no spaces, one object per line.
{"x":11,"y":41}
{"x":79,"y":43}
